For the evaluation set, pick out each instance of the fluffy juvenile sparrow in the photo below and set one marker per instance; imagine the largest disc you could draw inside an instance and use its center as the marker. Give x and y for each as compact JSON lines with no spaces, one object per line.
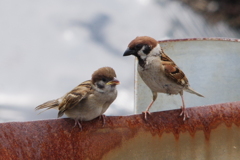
{"x":89,"y":99}
{"x":158,"y":71}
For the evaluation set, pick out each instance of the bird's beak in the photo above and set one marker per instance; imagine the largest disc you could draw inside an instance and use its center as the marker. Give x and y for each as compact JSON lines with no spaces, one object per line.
{"x":129,"y":52}
{"x":115,"y":81}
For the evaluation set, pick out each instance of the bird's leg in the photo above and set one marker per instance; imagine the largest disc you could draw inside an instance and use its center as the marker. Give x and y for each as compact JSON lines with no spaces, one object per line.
{"x":103,"y":117}
{"x":77,"y":122}
{"x":147,"y":111}
{"x":184,"y":111}
{"x":150,"y":105}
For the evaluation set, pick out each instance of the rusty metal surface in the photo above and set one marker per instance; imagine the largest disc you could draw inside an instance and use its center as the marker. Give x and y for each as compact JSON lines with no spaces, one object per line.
{"x":212,"y":132}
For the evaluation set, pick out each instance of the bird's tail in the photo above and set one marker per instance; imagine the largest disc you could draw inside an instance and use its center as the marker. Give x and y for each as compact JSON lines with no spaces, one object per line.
{"x":190,"y":90}
{"x":48,"y":105}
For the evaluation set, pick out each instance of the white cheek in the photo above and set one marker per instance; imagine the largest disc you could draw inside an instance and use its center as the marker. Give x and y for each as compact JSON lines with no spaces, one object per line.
{"x":141,"y":54}
{"x":155,"y":51}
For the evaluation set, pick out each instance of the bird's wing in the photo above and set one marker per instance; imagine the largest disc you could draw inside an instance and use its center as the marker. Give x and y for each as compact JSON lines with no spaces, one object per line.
{"x":172,"y":71}
{"x":73,"y":97}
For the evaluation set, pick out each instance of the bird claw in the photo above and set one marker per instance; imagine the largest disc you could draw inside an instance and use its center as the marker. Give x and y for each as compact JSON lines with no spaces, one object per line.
{"x":77,"y":122}
{"x":103,"y":117}
{"x":184,"y":113}
{"x":145,"y":115}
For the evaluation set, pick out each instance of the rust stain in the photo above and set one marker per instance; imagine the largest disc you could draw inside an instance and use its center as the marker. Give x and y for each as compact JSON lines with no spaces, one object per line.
{"x":202,"y":118}
{"x":56,"y":139}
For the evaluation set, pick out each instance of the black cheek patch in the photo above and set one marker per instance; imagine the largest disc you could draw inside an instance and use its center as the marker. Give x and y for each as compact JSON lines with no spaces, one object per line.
{"x":100,"y":86}
{"x":147,"y":49}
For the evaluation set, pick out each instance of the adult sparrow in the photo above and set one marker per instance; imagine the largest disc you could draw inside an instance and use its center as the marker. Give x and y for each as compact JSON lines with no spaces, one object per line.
{"x":158,"y":71}
{"x":89,"y":99}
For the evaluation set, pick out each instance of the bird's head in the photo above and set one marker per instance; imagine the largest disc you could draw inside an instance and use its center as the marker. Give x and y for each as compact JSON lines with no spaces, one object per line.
{"x":142,"y":47}
{"x":105,"y":77}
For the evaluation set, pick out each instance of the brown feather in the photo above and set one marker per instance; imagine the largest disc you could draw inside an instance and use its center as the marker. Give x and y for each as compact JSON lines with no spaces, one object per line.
{"x":72,"y":98}
{"x":104,"y":72}
{"x":48,"y":105}
{"x":172,"y":71}
{"x":143,"y":40}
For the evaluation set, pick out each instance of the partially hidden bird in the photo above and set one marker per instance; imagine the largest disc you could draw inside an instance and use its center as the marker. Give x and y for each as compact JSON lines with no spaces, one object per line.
{"x":158,"y":71}
{"x":88,"y":100}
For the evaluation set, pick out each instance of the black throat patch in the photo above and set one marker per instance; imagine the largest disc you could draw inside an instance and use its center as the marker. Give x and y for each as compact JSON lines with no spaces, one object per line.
{"x":141,"y":62}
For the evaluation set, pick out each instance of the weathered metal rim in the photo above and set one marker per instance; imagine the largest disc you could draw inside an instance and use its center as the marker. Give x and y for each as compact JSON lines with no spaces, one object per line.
{"x":201,"y":39}
{"x":57,"y":139}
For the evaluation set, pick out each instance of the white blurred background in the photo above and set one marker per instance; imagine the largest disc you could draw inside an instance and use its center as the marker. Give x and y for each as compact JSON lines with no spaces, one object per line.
{"x":49,"y":47}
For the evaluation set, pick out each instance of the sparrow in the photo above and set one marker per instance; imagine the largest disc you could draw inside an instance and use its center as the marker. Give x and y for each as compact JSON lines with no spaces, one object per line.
{"x":88,"y":100}
{"x":158,"y":71}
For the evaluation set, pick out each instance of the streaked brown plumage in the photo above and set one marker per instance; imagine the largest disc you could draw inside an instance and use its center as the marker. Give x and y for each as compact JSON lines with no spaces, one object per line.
{"x":89,"y":99}
{"x":158,"y":71}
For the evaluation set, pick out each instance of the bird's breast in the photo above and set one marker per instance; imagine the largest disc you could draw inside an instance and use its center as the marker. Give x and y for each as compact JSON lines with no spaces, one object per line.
{"x":154,"y":77}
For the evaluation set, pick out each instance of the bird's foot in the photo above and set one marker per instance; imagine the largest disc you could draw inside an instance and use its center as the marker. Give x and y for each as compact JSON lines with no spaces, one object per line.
{"x":184,"y":113}
{"x":77,"y":122}
{"x":103,"y":117}
{"x":145,"y":115}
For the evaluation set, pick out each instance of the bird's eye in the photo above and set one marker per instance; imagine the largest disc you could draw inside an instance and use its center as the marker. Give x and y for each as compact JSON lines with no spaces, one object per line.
{"x":138,"y":46}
